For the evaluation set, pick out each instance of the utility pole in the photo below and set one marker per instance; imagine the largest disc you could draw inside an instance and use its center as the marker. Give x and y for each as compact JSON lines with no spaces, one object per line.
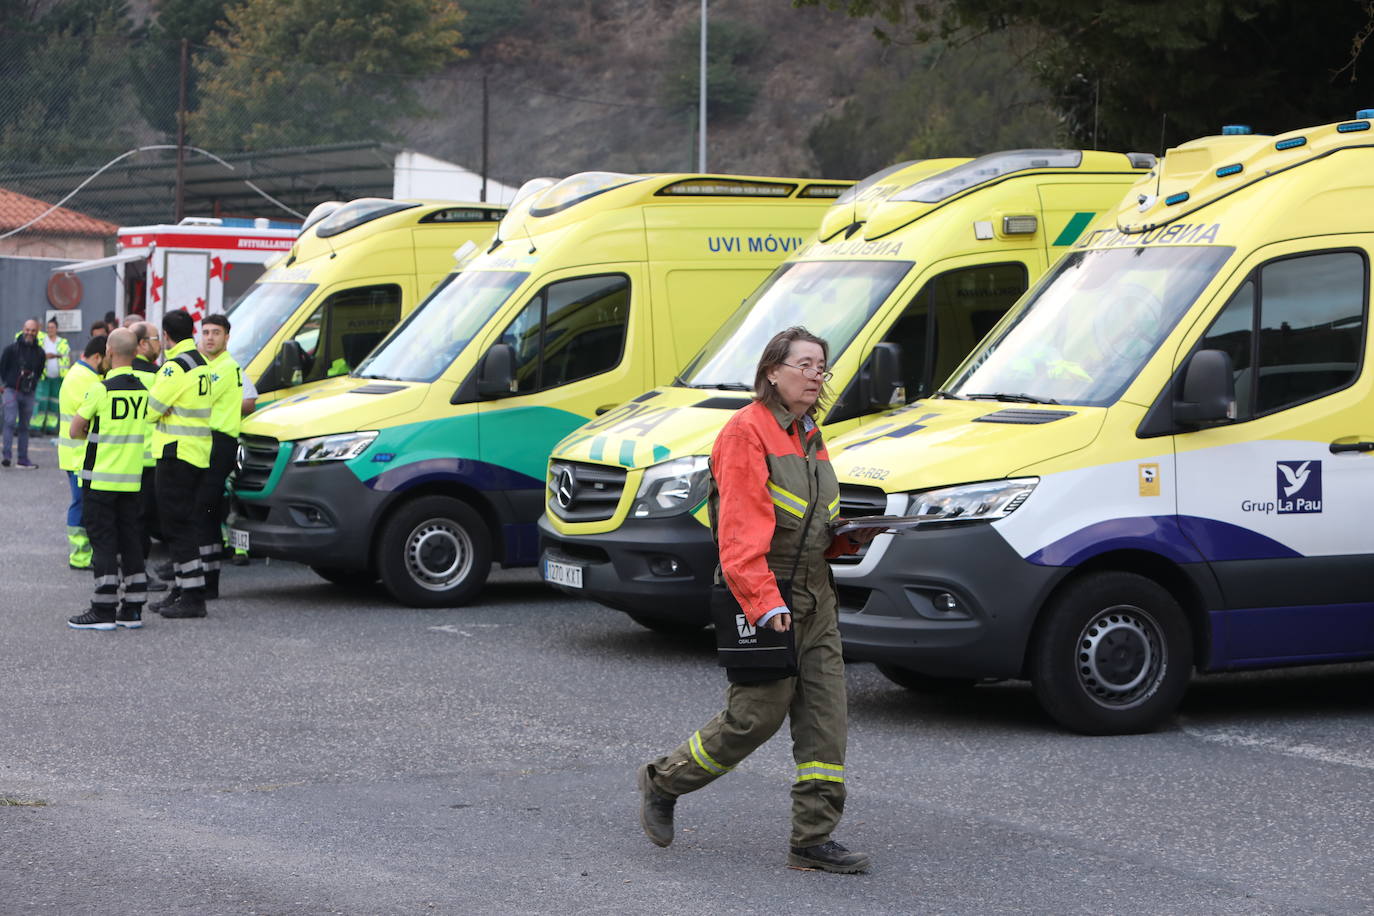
{"x":181,"y":135}
{"x":701,"y":97}
{"x":486,"y":123}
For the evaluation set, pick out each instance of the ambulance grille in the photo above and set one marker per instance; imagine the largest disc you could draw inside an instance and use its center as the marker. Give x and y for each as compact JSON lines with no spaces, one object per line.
{"x":257,"y":456}
{"x":857,"y":501}
{"x":584,"y":492}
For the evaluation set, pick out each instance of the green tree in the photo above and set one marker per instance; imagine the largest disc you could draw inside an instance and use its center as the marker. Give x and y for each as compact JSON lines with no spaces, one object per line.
{"x":485,"y":20}
{"x":936,"y":100}
{"x":1139,"y":74}
{"x":732,"y":48}
{"x":157,"y":58}
{"x":65,"y":73}
{"x":305,"y":72}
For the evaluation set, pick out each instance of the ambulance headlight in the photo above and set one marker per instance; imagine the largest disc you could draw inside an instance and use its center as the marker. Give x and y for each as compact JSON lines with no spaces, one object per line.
{"x":973,"y":502}
{"x":340,"y":447}
{"x":672,"y":487}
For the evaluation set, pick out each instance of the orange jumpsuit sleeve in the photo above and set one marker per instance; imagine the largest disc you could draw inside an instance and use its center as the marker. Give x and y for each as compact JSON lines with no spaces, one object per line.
{"x":746,"y":521}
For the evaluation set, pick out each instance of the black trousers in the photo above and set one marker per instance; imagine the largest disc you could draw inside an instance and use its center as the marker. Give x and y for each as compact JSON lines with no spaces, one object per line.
{"x":147,"y":504}
{"x":113,"y":523}
{"x":177,"y":484}
{"x":211,"y":501}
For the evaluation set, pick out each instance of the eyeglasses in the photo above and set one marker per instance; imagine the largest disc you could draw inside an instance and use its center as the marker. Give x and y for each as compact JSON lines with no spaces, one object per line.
{"x":812,"y":372}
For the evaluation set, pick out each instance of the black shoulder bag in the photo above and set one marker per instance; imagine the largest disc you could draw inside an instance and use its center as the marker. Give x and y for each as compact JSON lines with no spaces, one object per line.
{"x":750,"y":654}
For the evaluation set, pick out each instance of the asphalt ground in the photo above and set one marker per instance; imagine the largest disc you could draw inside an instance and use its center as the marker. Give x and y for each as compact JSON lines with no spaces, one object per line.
{"x":314,"y":749}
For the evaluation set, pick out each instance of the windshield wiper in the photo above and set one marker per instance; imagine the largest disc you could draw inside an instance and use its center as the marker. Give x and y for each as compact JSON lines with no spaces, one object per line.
{"x":725,"y":386}
{"x":1014,"y":398}
{"x":942,"y":393}
{"x":384,"y":378}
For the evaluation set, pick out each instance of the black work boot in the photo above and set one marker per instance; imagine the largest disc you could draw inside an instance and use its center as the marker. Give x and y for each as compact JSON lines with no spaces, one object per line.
{"x":828,"y":856}
{"x":191,"y":603}
{"x":211,"y":584}
{"x":655,"y":810}
{"x":167,"y":600}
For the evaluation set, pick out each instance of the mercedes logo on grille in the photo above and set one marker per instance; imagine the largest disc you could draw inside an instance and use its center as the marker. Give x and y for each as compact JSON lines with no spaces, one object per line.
{"x":240,"y":456}
{"x":565,"y":487}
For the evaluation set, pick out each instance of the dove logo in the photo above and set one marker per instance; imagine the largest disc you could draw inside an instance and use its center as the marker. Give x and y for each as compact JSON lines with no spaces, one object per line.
{"x":1299,"y":487}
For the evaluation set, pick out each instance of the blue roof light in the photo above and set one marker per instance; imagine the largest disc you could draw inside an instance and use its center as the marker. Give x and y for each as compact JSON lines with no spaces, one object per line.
{"x":1178,"y":198}
{"x":1236,"y":130}
{"x":1225,"y":170}
{"x":1291,"y":143}
{"x":1349,"y":127}
{"x":1365,"y":113}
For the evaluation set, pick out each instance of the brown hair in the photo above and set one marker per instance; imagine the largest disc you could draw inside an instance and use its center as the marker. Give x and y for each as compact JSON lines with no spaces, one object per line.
{"x":775,"y":354}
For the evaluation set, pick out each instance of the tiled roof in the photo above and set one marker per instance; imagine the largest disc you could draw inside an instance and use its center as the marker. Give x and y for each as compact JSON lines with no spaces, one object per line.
{"x":17,"y":209}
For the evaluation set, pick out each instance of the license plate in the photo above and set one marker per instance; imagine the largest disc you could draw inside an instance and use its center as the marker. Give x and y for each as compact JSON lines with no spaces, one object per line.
{"x":238,"y":539}
{"x":563,"y":574}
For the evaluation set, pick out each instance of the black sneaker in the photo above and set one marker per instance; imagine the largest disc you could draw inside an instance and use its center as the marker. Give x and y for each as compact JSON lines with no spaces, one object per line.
{"x":129,"y":617}
{"x":655,"y":810}
{"x":92,"y":620}
{"x":167,"y":600}
{"x":86,"y":568}
{"x":4,"y":462}
{"x":188,"y":604}
{"x":828,"y":856}
{"x":26,"y":465}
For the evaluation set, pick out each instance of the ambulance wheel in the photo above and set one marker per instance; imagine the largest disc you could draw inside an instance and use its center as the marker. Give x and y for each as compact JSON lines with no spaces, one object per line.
{"x":917,"y":682}
{"x":1113,"y":655}
{"x":342,"y":575}
{"x":667,"y":626}
{"x":434,"y":552}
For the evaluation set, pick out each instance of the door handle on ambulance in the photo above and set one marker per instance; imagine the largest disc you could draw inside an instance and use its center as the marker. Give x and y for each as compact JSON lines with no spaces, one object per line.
{"x":1338,"y":447}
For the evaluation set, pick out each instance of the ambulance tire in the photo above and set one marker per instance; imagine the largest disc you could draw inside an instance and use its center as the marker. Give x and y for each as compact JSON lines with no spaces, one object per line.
{"x":1113,"y":655}
{"x":434,"y":551}
{"x":342,"y":575}
{"x":917,"y":682}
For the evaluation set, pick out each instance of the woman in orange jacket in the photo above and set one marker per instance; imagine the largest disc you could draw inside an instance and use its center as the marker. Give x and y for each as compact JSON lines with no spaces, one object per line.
{"x":776,"y":499}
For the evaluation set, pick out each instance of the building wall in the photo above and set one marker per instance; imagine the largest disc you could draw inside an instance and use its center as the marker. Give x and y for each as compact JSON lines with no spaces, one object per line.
{"x":29,"y":245}
{"x":24,"y":295}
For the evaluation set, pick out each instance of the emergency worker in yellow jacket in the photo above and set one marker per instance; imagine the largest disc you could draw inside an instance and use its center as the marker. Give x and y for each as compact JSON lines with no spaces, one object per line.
{"x":57,"y":361}
{"x":228,"y":393}
{"x":776,"y":492}
{"x":113,"y":420}
{"x":80,"y":378}
{"x":179,"y":404}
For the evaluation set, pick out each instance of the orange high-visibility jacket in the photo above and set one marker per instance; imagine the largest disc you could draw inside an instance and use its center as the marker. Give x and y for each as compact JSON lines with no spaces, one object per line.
{"x":767,"y":473}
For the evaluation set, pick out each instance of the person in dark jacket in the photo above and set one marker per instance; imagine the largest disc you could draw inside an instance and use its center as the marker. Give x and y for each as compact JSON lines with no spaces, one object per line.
{"x":21,"y":366}
{"x":776,"y":502}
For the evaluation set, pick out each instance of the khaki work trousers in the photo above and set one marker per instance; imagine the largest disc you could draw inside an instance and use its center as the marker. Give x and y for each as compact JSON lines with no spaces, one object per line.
{"x":814,"y":701}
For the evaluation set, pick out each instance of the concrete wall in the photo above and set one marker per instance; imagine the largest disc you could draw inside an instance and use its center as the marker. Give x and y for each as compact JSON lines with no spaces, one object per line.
{"x":31,"y":245}
{"x":24,"y":294}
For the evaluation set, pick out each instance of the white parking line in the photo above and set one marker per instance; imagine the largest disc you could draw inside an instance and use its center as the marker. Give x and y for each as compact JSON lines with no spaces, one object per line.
{"x":1231,"y":737}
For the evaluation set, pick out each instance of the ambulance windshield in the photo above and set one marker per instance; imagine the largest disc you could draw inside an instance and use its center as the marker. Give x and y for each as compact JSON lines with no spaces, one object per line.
{"x":831,"y":299}
{"x":1085,"y":332}
{"x":427,"y":342}
{"x":259,"y":313}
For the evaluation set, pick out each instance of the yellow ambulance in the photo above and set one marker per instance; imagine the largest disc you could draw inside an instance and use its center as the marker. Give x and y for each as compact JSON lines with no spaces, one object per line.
{"x":355,"y":270}
{"x":1159,"y":461}
{"x":910,"y":269}
{"x":426,"y":464}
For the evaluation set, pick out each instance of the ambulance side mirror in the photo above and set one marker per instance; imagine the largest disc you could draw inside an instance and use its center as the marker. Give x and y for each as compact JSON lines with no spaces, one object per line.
{"x":1209,"y":390}
{"x":496,"y":377}
{"x":883,"y":376}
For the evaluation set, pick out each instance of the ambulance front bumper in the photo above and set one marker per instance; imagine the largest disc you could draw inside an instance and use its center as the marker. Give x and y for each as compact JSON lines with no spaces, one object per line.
{"x":653,"y":568}
{"x":954,"y":602}
{"x":321,"y":516}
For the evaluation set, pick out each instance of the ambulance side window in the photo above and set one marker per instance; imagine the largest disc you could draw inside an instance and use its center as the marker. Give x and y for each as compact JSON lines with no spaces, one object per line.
{"x":1295,"y":330}
{"x":570,"y":330}
{"x":346,"y":327}
{"x":947,"y":318}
